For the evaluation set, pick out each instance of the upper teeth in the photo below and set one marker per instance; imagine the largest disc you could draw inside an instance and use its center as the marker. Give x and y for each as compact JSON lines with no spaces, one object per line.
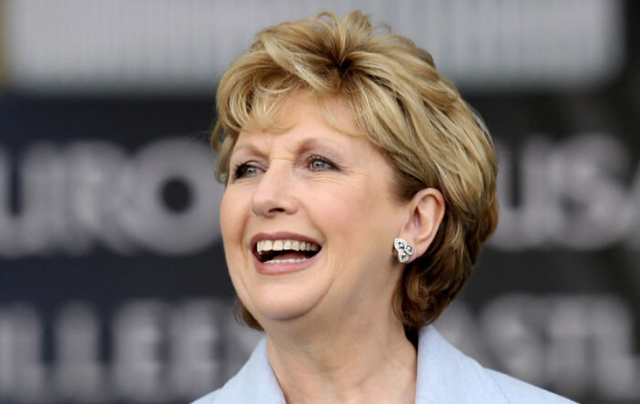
{"x":280,"y":245}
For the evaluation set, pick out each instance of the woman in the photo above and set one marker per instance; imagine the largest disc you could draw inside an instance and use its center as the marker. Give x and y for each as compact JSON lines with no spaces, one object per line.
{"x":359,"y":191}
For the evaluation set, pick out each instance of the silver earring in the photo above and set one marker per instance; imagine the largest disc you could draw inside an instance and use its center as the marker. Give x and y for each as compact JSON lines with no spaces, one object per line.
{"x":404,"y":249}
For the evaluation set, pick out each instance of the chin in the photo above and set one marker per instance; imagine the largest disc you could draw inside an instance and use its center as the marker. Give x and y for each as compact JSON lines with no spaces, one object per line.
{"x":281,"y":303}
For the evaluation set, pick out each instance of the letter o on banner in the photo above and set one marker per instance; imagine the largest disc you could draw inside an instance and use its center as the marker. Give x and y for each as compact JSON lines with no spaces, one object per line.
{"x":149,"y":219}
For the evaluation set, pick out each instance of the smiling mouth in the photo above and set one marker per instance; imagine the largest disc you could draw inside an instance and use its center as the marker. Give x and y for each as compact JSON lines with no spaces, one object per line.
{"x":285,"y":251}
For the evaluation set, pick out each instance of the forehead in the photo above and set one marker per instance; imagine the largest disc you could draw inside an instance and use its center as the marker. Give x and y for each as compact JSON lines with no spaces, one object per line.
{"x":303,"y":115}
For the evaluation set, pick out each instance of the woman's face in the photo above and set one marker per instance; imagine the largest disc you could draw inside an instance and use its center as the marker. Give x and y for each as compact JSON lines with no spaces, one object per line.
{"x":308,"y":219}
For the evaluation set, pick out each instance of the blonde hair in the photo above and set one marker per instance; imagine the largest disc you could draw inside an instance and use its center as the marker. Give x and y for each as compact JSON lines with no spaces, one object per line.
{"x":403,"y":106}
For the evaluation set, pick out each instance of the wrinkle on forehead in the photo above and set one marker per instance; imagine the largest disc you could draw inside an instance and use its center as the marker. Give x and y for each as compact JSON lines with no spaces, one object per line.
{"x":273,"y":114}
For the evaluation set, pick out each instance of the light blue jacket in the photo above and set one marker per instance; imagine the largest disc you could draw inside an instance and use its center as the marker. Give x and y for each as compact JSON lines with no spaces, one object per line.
{"x":445,"y":376}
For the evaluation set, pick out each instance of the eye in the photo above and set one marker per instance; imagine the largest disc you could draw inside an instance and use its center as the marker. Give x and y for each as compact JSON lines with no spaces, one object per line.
{"x":244,"y":170}
{"x":317,"y":163}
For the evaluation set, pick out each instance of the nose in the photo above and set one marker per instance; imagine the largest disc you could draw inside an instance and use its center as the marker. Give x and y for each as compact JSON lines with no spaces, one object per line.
{"x":274,"y":195}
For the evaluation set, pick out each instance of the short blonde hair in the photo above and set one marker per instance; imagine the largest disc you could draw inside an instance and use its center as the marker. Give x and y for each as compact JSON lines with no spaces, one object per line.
{"x":403,"y":106}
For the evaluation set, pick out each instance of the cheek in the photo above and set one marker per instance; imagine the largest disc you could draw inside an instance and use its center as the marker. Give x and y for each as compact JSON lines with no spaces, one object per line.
{"x":226,"y":215}
{"x":351,"y":211}
{"x":231,"y":218}
{"x":232,"y":225}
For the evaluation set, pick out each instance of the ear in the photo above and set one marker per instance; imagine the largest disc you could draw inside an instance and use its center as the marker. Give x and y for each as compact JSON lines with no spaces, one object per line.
{"x":427,"y":209}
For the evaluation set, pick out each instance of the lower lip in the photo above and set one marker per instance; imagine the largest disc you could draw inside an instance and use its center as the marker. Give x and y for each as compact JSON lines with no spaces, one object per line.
{"x":284,"y":267}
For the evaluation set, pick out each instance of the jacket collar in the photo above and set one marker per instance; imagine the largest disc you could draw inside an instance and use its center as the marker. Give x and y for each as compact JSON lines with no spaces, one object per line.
{"x":445,"y":376}
{"x":254,"y":383}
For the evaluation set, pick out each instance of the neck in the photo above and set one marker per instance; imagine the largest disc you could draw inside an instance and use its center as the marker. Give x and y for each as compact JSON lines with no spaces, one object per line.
{"x":361,"y":361}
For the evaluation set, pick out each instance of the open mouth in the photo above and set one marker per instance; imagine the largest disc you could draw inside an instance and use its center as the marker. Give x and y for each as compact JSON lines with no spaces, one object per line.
{"x":285,"y":251}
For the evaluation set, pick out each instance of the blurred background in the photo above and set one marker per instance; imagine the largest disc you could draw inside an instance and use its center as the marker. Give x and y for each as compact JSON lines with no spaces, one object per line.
{"x":113,"y":286}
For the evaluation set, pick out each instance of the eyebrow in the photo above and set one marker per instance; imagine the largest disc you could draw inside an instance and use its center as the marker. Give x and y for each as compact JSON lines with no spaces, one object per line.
{"x":250,"y":147}
{"x":312,"y":142}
